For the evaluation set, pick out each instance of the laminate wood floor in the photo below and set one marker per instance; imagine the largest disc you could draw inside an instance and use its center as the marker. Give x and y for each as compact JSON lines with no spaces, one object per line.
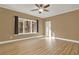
{"x":40,"y":46}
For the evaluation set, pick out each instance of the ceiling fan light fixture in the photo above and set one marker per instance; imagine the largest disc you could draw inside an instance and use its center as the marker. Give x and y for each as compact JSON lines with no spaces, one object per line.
{"x":41,"y":10}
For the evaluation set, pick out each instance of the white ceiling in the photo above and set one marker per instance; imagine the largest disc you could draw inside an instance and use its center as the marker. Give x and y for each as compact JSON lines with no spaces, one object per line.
{"x":54,"y":9}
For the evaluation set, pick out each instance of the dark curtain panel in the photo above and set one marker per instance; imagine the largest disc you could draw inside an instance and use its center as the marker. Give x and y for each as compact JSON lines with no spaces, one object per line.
{"x":37,"y":25}
{"x":16,"y":25}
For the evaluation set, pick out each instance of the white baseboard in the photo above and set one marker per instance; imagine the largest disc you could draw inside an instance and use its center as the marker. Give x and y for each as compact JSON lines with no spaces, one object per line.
{"x":70,"y":40}
{"x":10,"y":41}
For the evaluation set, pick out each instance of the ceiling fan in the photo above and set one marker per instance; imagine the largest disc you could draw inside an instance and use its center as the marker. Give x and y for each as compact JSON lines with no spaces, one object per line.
{"x":41,"y":8}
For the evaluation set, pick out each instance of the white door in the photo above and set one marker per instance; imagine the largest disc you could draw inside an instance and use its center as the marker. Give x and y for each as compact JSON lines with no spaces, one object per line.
{"x":48,"y":28}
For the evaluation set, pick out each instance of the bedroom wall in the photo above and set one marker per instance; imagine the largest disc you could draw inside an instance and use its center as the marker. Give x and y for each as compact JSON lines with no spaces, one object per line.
{"x":66,"y":25}
{"x":7,"y":24}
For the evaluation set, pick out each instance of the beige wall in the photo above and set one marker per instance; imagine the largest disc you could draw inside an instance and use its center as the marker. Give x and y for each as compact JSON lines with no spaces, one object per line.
{"x":66,"y":25}
{"x":7,"y":24}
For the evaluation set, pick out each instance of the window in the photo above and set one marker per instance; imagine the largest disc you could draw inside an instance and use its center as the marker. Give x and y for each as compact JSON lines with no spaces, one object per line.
{"x":20,"y":27}
{"x":34,"y":26}
{"x":26,"y":26}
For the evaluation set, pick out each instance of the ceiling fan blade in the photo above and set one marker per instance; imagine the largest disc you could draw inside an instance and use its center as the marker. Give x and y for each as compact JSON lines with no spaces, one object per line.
{"x":41,"y":5}
{"x":46,"y":10}
{"x":37,"y":5}
{"x":34,"y":10}
{"x":46,"y":6}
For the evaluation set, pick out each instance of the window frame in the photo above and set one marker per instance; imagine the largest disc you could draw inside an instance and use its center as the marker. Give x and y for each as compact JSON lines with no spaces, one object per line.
{"x":24,"y":20}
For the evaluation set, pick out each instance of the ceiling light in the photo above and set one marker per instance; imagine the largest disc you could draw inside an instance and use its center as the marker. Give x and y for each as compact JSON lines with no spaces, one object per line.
{"x":41,"y":10}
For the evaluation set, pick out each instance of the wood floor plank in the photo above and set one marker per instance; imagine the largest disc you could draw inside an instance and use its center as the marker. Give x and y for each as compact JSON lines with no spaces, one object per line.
{"x":39,"y":47}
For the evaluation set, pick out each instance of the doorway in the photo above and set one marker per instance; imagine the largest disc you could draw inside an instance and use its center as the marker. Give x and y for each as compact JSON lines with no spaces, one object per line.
{"x":48,"y":28}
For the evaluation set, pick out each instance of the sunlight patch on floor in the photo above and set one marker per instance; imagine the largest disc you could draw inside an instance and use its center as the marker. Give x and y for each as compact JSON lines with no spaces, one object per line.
{"x":50,"y":41}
